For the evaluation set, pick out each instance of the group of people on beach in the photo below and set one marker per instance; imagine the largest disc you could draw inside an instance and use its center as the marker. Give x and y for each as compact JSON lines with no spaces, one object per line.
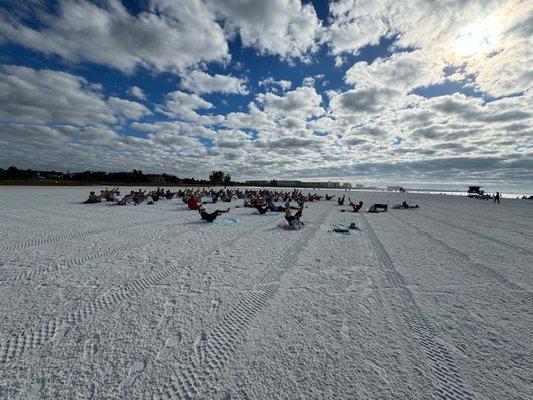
{"x":134,"y":197}
{"x":262,"y":200}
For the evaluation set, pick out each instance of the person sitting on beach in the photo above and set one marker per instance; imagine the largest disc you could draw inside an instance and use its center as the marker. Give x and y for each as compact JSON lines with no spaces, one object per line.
{"x":109,"y":195}
{"x":226,"y":196}
{"x":404,"y":205}
{"x":375,"y":208}
{"x":294,"y":220}
{"x":139,"y":197}
{"x":329,"y":197}
{"x":273,"y":207}
{"x":119,"y":198}
{"x":262,"y":208}
{"x":340,"y":200}
{"x":210,"y":217}
{"x":407,"y":206}
{"x":169,"y":195}
{"x":93,"y":198}
{"x":356,"y":207}
{"x":193,"y":203}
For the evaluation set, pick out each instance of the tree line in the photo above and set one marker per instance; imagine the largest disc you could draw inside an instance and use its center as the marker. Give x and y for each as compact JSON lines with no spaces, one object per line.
{"x":14,"y":175}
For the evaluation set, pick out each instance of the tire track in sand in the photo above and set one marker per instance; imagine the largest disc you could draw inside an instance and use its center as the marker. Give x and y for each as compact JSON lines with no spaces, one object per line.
{"x":446,"y":376}
{"x":215,"y":349}
{"x":33,"y":273}
{"x":73,"y":236}
{"x":55,"y":329}
{"x":476,"y":233}
{"x":459,"y":254}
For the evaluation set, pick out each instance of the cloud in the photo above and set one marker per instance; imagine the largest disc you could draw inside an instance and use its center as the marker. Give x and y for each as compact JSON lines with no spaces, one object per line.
{"x":127,"y":108}
{"x":175,"y":128}
{"x":286,"y":28}
{"x":498,"y":31}
{"x":402,"y":71}
{"x":52,"y":96}
{"x":183,"y":105}
{"x":284,"y":85}
{"x":303,"y":102}
{"x":201,"y":83}
{"x":168,"y":35}
{"x":137,"y":92}
{"x":362,"y":101}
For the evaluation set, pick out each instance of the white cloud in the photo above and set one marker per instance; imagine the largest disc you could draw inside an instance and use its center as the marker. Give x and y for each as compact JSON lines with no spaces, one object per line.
{"x":45,"y":96}
{"x":201,"y":82}
{"x":403,"y":71}
{"x":303,"y":102}
{"x":286,"y":28}
{"x":183,"y":105}
{"x":308,"y":81}
{"x":170,"y":35}
{"x":127,"y":108}
{"x":284,"y":85}
{"x":175,"y":128}
{"x":499,"y":34}
{"x":137,"y":92}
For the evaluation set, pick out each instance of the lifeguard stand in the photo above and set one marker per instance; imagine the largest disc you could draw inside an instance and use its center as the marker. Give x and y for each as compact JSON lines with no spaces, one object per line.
{"x":475,"y":190}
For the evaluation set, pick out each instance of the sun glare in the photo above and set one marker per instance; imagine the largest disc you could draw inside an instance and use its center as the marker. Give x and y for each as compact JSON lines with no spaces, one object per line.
{"x":477,"y":38}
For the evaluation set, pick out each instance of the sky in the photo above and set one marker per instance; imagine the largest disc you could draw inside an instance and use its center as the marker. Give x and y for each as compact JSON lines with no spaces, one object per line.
{"x":424,"y":93}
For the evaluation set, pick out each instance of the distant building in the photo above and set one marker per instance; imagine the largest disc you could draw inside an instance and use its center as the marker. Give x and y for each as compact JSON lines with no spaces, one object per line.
{"x":289,"y":183}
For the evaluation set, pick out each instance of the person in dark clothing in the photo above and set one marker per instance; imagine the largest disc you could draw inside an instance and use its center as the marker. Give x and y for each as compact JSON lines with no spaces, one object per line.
{"x":497,"y":197}
{"x":329,"y":197}
{"x":375,"y":208}
{"x":210,"y":217}
{"x":356,"y":207}
{"x":340,"y":200}
{"x":296,"y":217}
{"x":407,"y":206}
{"x":262,"y":208}
{"x":272,"y":207}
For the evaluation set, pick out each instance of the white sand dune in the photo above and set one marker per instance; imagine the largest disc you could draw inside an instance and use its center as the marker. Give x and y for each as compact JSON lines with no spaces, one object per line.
{"x":147,"y":302}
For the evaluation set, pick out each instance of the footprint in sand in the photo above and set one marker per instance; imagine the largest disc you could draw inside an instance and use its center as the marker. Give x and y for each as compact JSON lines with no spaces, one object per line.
{"x":167,"y":313}
{"x":200,"y":345}
{"x":215,"y":303}
{"x":170,"y":345}
{"x":135,"y":370}
{"x":345,"y":331}
{"x":91,"y":347}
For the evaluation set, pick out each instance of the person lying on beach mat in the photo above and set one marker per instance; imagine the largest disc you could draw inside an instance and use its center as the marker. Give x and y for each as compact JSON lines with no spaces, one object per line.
{"x":294,"y":220}
{"x":404,"y":205}
{"x":210,"y":217}
{"x":329,"y":197}
{"x":356,"y":207}
{"x":377,"y":207}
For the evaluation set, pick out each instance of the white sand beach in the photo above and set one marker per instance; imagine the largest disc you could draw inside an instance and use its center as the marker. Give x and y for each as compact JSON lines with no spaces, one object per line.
{"x":149,"y":302}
